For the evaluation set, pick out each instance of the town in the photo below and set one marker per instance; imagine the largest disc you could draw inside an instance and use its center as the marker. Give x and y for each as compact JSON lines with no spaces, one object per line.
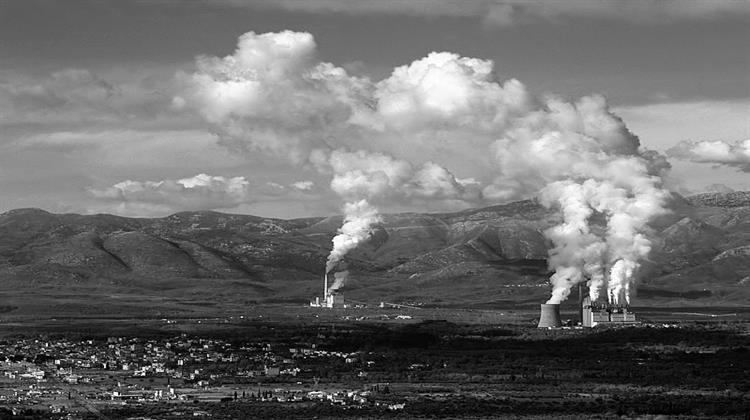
{"x":403,"y":368}
{"x":63,"y":376}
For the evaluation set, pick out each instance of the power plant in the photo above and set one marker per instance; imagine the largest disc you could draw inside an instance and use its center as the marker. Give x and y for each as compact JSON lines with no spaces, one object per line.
{"x":331,"y":298}
{"x":595,"y":313}
{"x":550,"y":316}
{"x":592,"y":314}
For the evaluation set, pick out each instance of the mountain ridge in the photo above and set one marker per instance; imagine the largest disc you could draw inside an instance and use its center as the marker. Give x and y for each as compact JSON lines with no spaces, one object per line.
{"x":469,"y":257}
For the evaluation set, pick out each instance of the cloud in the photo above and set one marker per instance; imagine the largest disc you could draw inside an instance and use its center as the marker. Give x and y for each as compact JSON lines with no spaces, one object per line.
{"x":405,"y":137}
{"x":271,"y":95}
{"x":201,"y":191}
{"x":717,"y":152}
{"x":75,"y":96}
{"x":663,"y":125}
{"x":303,"y":185}
{"x":510,"y":12}
{"x":372,"y":139}
{"x":562,"y":140}
{"x":447,"y":89}
{"x":198,"y":192}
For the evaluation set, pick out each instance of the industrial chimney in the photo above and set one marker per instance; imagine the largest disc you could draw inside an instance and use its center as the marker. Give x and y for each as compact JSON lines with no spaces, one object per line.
{"x":549,"y":316}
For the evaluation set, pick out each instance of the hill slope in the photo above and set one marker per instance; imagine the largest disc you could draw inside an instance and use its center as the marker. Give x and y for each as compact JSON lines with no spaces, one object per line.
{"x":490,"y":256}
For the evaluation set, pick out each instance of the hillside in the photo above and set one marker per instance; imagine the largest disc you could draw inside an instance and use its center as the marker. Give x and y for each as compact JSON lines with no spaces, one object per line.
{"x":728,"y":199}
{"x":485,"y":257}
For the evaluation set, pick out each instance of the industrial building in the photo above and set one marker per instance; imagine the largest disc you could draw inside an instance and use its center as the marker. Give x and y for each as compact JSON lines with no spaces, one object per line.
{"x":331,"y":298}
{"x":549,"y":316}
{"x":590,"y":313}
{"x":595,"y":313}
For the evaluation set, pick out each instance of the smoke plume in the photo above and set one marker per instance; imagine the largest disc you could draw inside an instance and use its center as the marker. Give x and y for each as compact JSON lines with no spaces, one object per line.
{"x":628,"y":199}
{"x":359,"y":217}
{"x":339,"y":280}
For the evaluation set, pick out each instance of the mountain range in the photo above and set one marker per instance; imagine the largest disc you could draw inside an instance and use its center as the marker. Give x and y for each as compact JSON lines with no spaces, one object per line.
{"x":488,"y":257}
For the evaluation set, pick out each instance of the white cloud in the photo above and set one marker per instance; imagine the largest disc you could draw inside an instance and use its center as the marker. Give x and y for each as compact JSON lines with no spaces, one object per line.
{"x":303,"y":185}
{"x":717,"y":152}
{"x":662,"y":126}
{"x":198,"y":192}
{"x":385,"y":139}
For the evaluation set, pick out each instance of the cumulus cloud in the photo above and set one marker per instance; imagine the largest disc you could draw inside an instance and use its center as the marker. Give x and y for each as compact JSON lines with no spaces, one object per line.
{"x":399,"y":136}
{"x":510,"y":12}
{"x":271,"y":95}
{"x":716,"y":152}
{"x":374,"y":176}
{"x":447,"y":89}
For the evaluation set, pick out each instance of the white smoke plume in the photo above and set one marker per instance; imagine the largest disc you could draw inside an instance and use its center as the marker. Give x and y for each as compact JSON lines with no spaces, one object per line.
{"x":715,"y":152}
{"x":339,"y":280}
{"x":628,"y":198}
{"x":393,"y":141}
{"x":578,"y":253}
{"x":359,"y":219}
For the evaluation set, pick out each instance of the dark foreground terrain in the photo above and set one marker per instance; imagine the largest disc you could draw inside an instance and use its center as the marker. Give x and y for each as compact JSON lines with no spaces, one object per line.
{"x":293,"y":362}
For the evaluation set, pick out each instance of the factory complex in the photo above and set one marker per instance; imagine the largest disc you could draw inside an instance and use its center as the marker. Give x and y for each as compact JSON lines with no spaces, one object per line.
{"x":591,"y":314}
{"x":331,"y":298}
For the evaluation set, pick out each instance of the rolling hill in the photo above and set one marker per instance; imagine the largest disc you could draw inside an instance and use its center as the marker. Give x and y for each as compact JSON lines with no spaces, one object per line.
{"x":494,"y":256}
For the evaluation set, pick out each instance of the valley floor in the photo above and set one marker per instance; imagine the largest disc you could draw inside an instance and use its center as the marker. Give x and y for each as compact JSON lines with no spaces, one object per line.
{"x":285,"y":361}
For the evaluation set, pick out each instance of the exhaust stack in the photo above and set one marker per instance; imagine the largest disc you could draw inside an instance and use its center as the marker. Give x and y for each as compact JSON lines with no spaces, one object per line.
{"x":549,"y":316}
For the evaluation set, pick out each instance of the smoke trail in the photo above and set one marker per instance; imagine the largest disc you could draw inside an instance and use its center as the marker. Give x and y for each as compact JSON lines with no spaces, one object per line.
{"x":359,"y":217}
{"x":359,"y":177}
{"x":629,"y":198}
{"x":577,"y":253}
{"x":340,"y":278}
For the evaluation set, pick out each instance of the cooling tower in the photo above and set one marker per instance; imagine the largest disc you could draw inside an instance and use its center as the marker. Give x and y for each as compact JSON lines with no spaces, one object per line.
{"x":549,"y":316}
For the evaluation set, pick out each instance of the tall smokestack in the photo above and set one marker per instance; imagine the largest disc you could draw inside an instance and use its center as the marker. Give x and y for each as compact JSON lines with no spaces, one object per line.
{"x":549,"y":316}
{"x":580,"y":302}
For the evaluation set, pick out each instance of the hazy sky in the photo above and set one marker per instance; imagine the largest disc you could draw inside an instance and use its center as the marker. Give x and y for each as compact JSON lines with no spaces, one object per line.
{"x":92,"y":92}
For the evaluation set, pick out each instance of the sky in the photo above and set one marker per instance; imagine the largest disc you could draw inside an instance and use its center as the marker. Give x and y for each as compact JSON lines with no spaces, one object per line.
{"x":291,"y":108}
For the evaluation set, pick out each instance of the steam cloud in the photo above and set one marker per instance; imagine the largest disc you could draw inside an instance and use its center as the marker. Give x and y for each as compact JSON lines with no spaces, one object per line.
{"x":357,"y":228}
{"x":393,"y":140}
{"x":609,"y":259}
{"x":339,"y":280}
